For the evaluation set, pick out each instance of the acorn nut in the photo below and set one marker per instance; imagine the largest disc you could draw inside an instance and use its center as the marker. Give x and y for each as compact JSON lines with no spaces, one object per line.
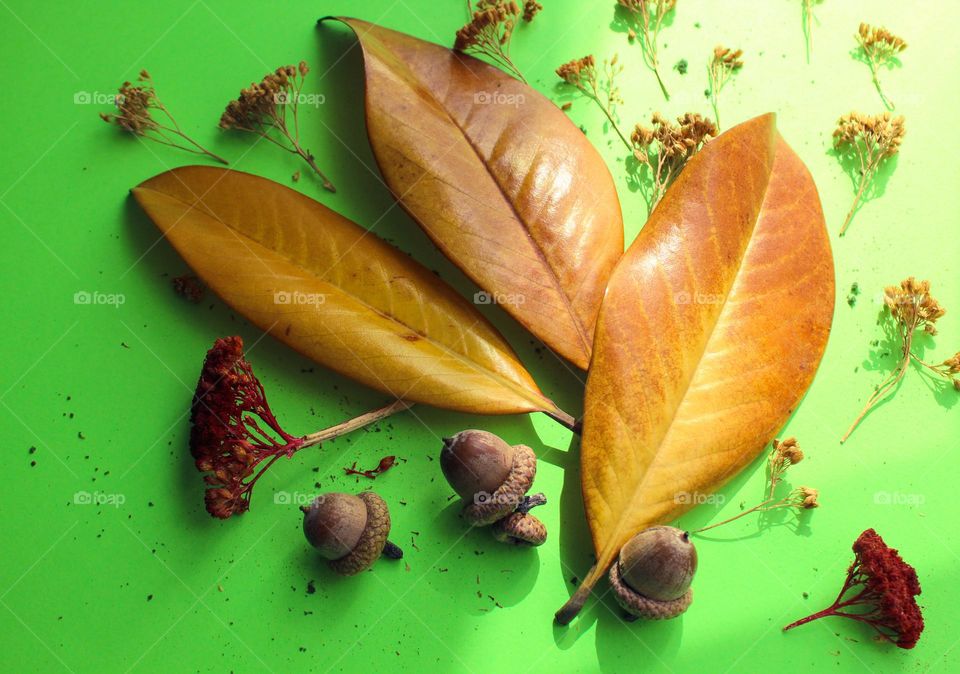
{"x":520,"y":527}
{"x":488,"y":474}
{"x":350,"y":531}
{"x":652,"y":577}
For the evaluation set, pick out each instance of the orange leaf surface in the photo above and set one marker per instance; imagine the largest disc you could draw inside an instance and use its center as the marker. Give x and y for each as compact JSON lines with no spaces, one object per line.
{"x":712,"y":329}
{"x":336,"y":293}
{"x":505,"y":185}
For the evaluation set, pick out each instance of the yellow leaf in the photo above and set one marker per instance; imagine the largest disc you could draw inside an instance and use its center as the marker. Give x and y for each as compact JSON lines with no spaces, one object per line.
{"x":501,"y":180}
{"x":713,"y":326}
{"x":337,"y":293}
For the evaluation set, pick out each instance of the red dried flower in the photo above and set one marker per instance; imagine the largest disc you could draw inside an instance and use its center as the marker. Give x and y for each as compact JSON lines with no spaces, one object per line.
{"x":884,"y":587}
{"x":231,"y":419}
{"x":228,"y":439}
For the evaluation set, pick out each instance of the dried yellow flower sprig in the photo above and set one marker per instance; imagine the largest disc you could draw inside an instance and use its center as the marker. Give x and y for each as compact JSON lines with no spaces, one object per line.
{"x":785,"y":454}
{"x":723,"y":65}
{"x":808,"y":24}
{"x":135,"y":106}
{"x":880,"y":48}
{"x":912,"y":308}
{"x":647,"y":17}
{"x":270,"y":108}
{"x":665,"y":149}
{"x":490,"y":31}
{"x":601,"y":87}
{"x":871,"y":139}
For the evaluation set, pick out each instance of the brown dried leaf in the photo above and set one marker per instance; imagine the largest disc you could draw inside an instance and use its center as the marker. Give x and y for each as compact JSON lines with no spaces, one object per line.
{"x":336,"y":293}
{"x":712,"y":329}
{"x":501,"y":180}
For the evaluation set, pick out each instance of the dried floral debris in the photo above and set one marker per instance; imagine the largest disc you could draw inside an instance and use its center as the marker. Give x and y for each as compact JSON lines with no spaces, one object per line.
{"x":868,"y":141}
{"x":140,"y":111}
{"x":270,"y":109}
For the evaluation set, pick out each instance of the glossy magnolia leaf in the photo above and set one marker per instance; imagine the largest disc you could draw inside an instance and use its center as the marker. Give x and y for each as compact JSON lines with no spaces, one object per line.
{"x":712,"y":329}
{"x":505,"y":185}
{"x":336,"y":293}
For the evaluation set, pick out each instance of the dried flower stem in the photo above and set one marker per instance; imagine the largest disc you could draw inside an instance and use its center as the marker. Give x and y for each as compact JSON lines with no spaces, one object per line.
{"x":912,"y":308}
{"x":582,"y":74}
{"x":784,"y":455}
{"x":872,"y":140}
{"x":490,"y":31}
{"x":879,"y":47}
{"x":135,"y":104}
{"x":648,"y":17}
{"x":262,"y":108}
{"x":723,"y":65}
{"x":808,"y":24}
{"x":665,"y":149}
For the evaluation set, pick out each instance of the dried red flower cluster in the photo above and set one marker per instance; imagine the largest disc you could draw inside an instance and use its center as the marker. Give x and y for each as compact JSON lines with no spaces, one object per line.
{"x":227,"y":441}
{"x":885,"y":588}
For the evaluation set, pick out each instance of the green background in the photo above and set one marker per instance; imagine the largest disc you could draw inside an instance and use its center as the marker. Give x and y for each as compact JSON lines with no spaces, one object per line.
{"x":154,"y":584}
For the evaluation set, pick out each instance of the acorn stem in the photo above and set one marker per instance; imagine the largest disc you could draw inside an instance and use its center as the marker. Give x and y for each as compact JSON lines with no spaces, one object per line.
{"x":530,"y":502}
{"x":392,"y":551}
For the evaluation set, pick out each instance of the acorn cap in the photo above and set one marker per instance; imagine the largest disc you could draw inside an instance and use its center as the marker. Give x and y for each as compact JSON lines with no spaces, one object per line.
{"x":640,"y":606}
{"x":333,"y":523}
{"x":520,"y":529}
{"x":487,"y":508}
{"x":659,"y":563}
{"x":475,"y":462}
{"x":371,"y":541}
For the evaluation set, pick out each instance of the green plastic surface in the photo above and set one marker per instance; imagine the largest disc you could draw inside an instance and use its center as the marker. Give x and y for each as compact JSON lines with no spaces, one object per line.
{"x":110,"y":562}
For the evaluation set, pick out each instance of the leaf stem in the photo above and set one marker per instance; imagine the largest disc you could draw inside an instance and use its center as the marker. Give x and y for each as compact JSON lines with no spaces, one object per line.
{"x":565,"y":420}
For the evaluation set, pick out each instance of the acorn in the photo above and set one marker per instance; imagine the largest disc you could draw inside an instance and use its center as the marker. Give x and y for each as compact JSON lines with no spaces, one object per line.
{"x":490,"y":475}
{"x":350,"y":531}
{"x":520,"y":527}
{"x":651,"y":579}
